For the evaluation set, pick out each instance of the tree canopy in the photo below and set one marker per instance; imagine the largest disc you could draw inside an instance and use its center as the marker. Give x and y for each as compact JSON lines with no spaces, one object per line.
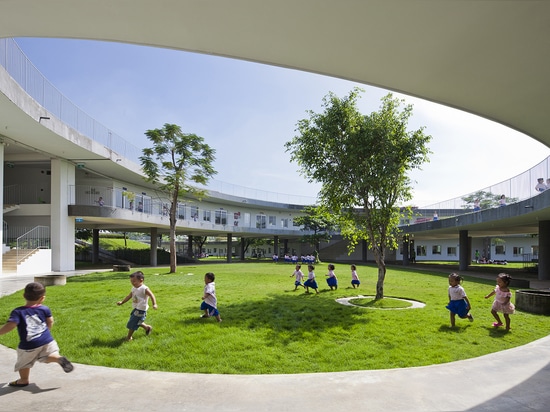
{"x":176,"y":159}
{"x":362,"y":162}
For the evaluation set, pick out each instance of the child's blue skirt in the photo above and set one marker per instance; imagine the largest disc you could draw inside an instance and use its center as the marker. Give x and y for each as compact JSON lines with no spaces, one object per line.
{"x":355,"y":282}
{"x":332,"y":281}
{"x":460,"y":307}
{"x":311,"y":283}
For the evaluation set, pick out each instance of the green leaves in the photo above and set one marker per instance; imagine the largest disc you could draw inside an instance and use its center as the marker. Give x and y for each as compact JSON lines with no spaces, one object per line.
{"x":362,"y":162}
{"x":175,"y":159}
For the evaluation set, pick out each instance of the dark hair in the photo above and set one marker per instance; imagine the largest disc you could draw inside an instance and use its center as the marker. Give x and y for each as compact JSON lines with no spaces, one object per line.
{"x":506,"y":278}
{"x":331,"y":267}
{"x":210,"y":276}
{"x":311,"y":267}
{"x":138,"y":274}
{"x":34,"y":291}
{"x":455,"y":276}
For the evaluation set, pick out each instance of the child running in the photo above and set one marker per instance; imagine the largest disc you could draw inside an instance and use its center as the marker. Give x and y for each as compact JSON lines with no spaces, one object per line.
{"x":311,"y":282}
{"x":299,"y":276}
{"x":354,"y":278}
{"x":458,"y":301}
{"x":36,"y":343}
{"x":140,"y":295}
{"x":332,"y":280}
{"x":209,"y":301}
{"x":502,"y":302}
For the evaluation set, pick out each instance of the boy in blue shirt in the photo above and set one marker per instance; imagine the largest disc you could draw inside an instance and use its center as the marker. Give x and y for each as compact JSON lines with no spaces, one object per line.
{"x":34,"y":322}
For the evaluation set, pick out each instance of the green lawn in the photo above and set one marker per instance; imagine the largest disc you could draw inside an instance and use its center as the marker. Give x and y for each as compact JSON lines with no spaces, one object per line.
{"x":270,"y":328}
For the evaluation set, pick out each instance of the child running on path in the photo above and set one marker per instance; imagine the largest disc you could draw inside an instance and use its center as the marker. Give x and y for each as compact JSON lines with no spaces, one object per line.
{"x":332,"y":280}
{"x":311,"y":282}
{"x":502,"y":302}
{"x":34,"y":322}
{"x":299,"y":276}
{"x":209,"y":301}
{"x":459,"y":303}
{"x":140,"y":295}
{"x":354,"y":278}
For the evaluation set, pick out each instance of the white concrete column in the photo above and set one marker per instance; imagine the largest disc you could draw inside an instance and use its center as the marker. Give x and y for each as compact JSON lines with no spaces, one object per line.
{"x":2,"y":203}
{"x":62,"y":225}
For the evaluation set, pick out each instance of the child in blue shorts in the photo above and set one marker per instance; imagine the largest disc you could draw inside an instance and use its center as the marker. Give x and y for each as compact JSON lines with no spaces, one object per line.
{"x":209,"y":301}
{"x":140,"y":295}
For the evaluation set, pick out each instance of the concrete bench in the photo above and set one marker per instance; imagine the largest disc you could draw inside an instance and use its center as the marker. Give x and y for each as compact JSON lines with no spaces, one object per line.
{"x":121,"y":268}
{"x":51,"y":280}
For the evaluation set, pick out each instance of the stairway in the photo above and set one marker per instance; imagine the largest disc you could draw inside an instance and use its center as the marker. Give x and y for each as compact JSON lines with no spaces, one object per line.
{"x":9,"y":260}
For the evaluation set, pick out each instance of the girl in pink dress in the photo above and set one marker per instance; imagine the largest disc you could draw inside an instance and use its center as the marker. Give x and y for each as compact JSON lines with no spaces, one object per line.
{"x":502,"y":302}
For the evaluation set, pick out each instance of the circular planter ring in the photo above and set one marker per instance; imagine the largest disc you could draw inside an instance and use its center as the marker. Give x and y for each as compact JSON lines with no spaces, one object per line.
{"x":414,"y":303}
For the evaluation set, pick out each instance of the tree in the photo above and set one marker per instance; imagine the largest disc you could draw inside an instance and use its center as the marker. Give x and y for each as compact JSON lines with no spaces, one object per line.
{"x":362,"y":162}
{"x":487,"y":200}
{"x":320,"y":222}
{"x":175,"y":159}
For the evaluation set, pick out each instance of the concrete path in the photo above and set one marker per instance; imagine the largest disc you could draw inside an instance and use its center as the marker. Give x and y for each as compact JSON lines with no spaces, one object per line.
{"x":514,"y":380}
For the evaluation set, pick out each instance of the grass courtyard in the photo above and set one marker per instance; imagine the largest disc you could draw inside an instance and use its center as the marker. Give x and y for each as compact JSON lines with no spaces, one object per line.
{"x":268,"y":327}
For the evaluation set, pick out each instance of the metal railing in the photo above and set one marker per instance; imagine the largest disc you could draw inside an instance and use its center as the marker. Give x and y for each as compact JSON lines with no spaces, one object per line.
{"x":515,"y":189}
{"x":34,"y":239}
{"x":23,"y":71}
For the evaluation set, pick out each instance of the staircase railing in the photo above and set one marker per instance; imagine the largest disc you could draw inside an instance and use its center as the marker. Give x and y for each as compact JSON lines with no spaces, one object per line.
{"x":36,"y":238}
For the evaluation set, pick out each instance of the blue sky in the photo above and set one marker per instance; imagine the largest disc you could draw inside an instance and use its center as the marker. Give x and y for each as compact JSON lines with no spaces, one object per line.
{"x":247,"y":111}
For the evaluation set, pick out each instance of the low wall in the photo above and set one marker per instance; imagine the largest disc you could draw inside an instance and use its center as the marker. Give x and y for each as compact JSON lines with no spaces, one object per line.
{"x":533,"y":301}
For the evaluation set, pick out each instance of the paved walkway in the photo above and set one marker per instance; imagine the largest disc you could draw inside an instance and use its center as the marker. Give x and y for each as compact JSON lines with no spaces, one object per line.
{"x":514,"y":380}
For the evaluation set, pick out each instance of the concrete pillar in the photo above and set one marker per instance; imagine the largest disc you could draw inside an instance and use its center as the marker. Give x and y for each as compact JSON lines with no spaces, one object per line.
{"x":62,"y":225}
{"x":285,"y":245}
{"x":190,"y":247}
{"x":544,"y":250}
{"x":154,"y":245}
{"x":463,"y":246}
{"x":229,"y":247}
{"x":276,"y":245}
{"x":243,"y":242}
{"x":364,"y":251}
{"x":95,"y":246}
{"x":405,"y":246}
{"x":2,"y":198}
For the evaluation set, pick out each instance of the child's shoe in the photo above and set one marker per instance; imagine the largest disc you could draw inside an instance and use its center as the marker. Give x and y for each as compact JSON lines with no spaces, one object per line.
{"x":497,"y":324}
{"x":66,"y":364}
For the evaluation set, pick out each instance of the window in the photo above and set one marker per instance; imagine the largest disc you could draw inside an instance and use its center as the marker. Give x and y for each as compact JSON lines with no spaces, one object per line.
{"x":260,"y":221}
{"x":420,"y":250}
{"x":500,"y":250}
{"x":272,"y":220}
{"x":451,"y":251}
{"x":284,"y":222}
{"x":436,"y":250}
{"x":221,"y":217}
{"x":195,"y":213}
{"x":181,"y":211}
{"x":207,"y":215}
{"x":518,"y":251}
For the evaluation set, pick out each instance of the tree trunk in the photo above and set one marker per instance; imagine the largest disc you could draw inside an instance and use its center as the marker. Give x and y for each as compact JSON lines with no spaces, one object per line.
{"x":173,"y":257}
{"x":381,"y":263}
{"x":380,"y":282}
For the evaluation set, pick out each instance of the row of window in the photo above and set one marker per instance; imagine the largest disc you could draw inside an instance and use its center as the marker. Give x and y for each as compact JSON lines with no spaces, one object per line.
{"x":421,"y":250}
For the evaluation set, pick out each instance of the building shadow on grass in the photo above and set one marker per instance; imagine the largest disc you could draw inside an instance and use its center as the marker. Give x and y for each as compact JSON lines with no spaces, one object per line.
{"x":289,"y":317}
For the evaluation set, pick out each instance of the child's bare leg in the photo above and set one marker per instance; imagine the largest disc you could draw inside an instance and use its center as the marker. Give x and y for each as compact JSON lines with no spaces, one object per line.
{"x":218,"y":318}
{"x":452,"y":319}
{"x":495,"y":315}
{"x":130,"y":333}
{"x":147,"y":328}
{"x":24,"y":376}
{"x":507,"y":320}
